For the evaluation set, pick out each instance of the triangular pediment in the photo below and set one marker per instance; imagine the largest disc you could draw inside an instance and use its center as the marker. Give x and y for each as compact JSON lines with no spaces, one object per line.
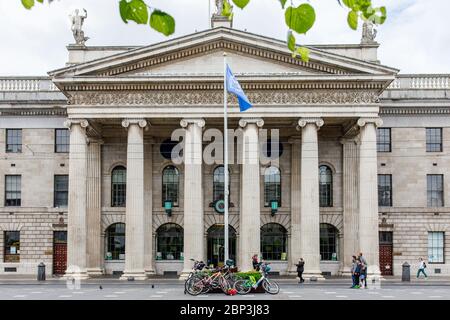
{"x":202,"y":54}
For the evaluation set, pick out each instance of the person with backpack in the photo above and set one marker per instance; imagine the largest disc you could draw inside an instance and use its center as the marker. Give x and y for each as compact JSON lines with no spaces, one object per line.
{"x":352,"y":271}
{"x":300,"y":269}
{"x":357,"y":273}
{"x":422,"y":266}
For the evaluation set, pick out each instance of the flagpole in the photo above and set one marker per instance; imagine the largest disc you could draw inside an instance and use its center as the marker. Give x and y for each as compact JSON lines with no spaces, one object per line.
{"x":225,"y":156}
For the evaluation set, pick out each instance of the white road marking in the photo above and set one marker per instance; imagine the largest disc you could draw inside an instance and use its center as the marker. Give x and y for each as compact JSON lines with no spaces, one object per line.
{"x":435,"y":297}
{"x":19,"y":296}
{"x":249,"y":296}
{"x":416,"y":292}
{"x":287,"y":292}
{"x":295,"y":296}
{"x":387,"y":296}
{"x":155,"y":296}
{"x":161,"y":292}
{"x":330,"y":292}
{"x":36,"y":292}
{"x":78,"y":292}
{"x":65,"y":296}
{"x":119,"y":292}
{"x":111,"y":296}
{"x":341,"y":297}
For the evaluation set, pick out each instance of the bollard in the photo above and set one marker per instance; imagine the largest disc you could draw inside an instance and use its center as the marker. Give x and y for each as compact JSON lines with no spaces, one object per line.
{"x":41,"y":272}
{"x":406,"y":272}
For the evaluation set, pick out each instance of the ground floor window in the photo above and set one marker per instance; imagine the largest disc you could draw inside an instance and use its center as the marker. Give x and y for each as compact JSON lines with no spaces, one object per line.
{"x":216,"y":244}
{"x":273,"y":242}
{"x":115,"y":242}
{"x":169,"y":242}
{"x":328,"y":242}
{"x":436,"y":247}
{"x":12,"y":246}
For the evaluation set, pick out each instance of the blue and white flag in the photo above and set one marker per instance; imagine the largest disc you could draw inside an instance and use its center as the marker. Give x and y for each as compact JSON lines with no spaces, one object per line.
{"x":234,"y":87}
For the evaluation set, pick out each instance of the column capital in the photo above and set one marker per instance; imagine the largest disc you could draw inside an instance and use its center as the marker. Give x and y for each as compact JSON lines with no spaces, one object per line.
{"x":141,"y":122}
{"x":302,"y":122}
{"x":70,"y":122}
{"x":245,"y":121}
{"x":199,"y":122}
{"x":376,"y":121}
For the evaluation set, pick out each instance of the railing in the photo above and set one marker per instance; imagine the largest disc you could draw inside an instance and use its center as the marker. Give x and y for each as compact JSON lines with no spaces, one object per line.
{"x":26,"y":84}
{"x":437,"y":82}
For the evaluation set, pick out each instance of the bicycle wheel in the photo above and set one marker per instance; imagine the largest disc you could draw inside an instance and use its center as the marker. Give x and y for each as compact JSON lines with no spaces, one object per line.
{"x":224,"y":285}
{"x":194,"y":286}
{"x":270,"y":286}
{"x":242,"y":286}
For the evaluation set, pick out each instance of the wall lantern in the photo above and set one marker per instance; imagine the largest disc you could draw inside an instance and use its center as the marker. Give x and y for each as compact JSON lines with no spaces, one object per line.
{"x":168,"y":207}
{"x":274,"y":206}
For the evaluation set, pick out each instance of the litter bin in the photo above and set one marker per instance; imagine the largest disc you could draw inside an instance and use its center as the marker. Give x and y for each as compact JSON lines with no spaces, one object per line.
{"x":406,"y":272}
{"x":41,"y":272}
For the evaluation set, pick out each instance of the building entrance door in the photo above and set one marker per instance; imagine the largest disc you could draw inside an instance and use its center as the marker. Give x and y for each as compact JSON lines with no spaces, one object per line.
{"x":216,"y":242}
{"x":386,"y":253}
{"x":59,"y":252}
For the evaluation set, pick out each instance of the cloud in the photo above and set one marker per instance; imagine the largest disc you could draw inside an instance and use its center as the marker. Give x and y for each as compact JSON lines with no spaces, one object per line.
{"x":415,"y":38}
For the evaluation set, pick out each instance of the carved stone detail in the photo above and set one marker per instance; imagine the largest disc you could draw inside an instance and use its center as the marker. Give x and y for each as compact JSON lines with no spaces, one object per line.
{"x":262,"y":97}
{"x":304,"y":121}
{"x":245,"y":121}
{"x":184,"y":123}
{"x":363,"y":121}
{"x":141,"y":122}
{"x":82,"y":122}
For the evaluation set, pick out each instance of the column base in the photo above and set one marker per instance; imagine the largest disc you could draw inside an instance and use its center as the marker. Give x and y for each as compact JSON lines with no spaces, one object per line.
{"x":150,"y":272}
{"x":136,"y":276}
{"x":313,"y":276}
{"x":95,"y":272}
{"x":76,"y":276}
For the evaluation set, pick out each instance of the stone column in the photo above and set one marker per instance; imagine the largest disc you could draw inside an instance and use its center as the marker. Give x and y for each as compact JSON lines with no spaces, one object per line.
{"x":135,"y":210}
{"x":368,"y":193}
{"x":250,"y":223}
{"x":309,"y":199}
{"x":350,"y":202}
{"x":148,"y":196}
{"x":77,"y":231}
{"x":193,"y":193}
{"x":294,"y":245}
{"x":93,"y":207}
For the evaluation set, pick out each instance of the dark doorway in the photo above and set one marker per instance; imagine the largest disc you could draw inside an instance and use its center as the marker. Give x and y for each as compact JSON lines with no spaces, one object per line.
{"x":386,"y":253}
{"x":216,"y":252}
{"x":59,"y":252}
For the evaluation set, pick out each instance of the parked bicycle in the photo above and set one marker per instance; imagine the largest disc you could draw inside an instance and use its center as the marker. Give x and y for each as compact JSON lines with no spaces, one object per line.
{"x":196,"y":269}
{"x":244,"y":286}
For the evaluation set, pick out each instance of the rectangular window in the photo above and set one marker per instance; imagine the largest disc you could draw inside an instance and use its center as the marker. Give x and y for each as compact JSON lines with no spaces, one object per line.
{"x":61,"y":191}
{"x":385,"y":190}
{"x":12,"y":246}
{"x":434,"y":139}
{"x":13,"y":192}
{"x":435,"y":190}
{"x":13,"y":140}
{"x":436,"y":247}
{"x":62,"y":140}
{"x":384,"y":140}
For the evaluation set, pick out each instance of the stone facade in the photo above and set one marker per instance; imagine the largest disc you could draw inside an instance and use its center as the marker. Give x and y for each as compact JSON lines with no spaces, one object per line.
{"x":122,"y":107}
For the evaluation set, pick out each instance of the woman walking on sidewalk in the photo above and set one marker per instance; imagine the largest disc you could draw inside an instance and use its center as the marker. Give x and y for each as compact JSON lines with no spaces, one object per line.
{"x":300,"y":269}
{"x":422,"y":266}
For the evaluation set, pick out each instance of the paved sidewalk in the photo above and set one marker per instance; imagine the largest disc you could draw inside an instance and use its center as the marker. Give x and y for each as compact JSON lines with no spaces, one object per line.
{"x":27,"y":280}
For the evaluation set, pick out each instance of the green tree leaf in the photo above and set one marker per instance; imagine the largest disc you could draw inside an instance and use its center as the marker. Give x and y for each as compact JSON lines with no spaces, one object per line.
{"x":162,"y":22}
{"x":28,"y":3}
{"x":291,"y":41}
{"x":134,"y":10}
{"x":300,"y":19}
{"x":241,"y":3}
{"x":352,"y":19}
{"x":283,"y":3}
{"x":303,"y":52}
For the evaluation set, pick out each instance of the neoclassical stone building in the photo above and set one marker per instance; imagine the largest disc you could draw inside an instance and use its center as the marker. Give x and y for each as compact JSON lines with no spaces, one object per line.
{"x":88,"y":183}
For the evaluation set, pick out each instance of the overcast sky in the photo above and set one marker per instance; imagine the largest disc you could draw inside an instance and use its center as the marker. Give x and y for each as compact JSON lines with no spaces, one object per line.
{"x":415,"y":38}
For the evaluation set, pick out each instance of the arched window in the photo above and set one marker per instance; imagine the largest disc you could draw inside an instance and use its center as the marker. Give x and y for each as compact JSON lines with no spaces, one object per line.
{"x":118,"y":186}
{"x":170,"y":185}
{"x":273,"y":242}
{"x":115,"y":242}
{"x":272,"y":186}
{"x":219,"y":183}
{"x":325,"y":186}
{"x":169,"y":242}
{"x":329,"y":242}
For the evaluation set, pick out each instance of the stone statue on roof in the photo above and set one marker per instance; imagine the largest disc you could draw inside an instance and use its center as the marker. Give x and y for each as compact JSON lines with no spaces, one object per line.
{"x":77,"y":27}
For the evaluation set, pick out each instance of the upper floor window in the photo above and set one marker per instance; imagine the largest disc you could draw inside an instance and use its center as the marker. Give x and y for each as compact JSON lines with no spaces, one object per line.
{"x":62,"y":140}
{"x":13,"y":193}
{"x":272,"y":186}
{"x":384,"y":140}
{"x":436,"y":247}
{"x":61,"y":191}
{"x":434,"y":139}
{"x":385,"y":190}
{"x":118,"y":186}
{"x":219,"y":183}
{"x":325,"y":186}
{"x":14,"y":140}
{"x":170,"y":185}
{"x":435,"y":190}
{"x":11,"y":246}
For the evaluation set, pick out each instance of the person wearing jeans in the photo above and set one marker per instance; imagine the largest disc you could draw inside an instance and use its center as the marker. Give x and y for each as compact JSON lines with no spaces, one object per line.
{"x":421,"y":269}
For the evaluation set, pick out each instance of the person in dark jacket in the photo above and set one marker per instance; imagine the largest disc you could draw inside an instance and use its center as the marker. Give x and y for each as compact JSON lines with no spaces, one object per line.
{"x":300,"y":269}
{"x":357,"y":273}
{"x":255,"y":262}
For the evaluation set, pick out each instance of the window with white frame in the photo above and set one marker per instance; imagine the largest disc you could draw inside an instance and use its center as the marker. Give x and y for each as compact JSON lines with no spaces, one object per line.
{"x":436,"y":247}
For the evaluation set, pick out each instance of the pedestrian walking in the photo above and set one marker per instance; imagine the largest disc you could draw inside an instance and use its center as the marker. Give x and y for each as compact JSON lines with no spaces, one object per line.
{"x":363,"y":270}
{"x":300,"y":269}
{"x":352,"y":271}
{"x":357,"y":273}
{"x":422,"y":267}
